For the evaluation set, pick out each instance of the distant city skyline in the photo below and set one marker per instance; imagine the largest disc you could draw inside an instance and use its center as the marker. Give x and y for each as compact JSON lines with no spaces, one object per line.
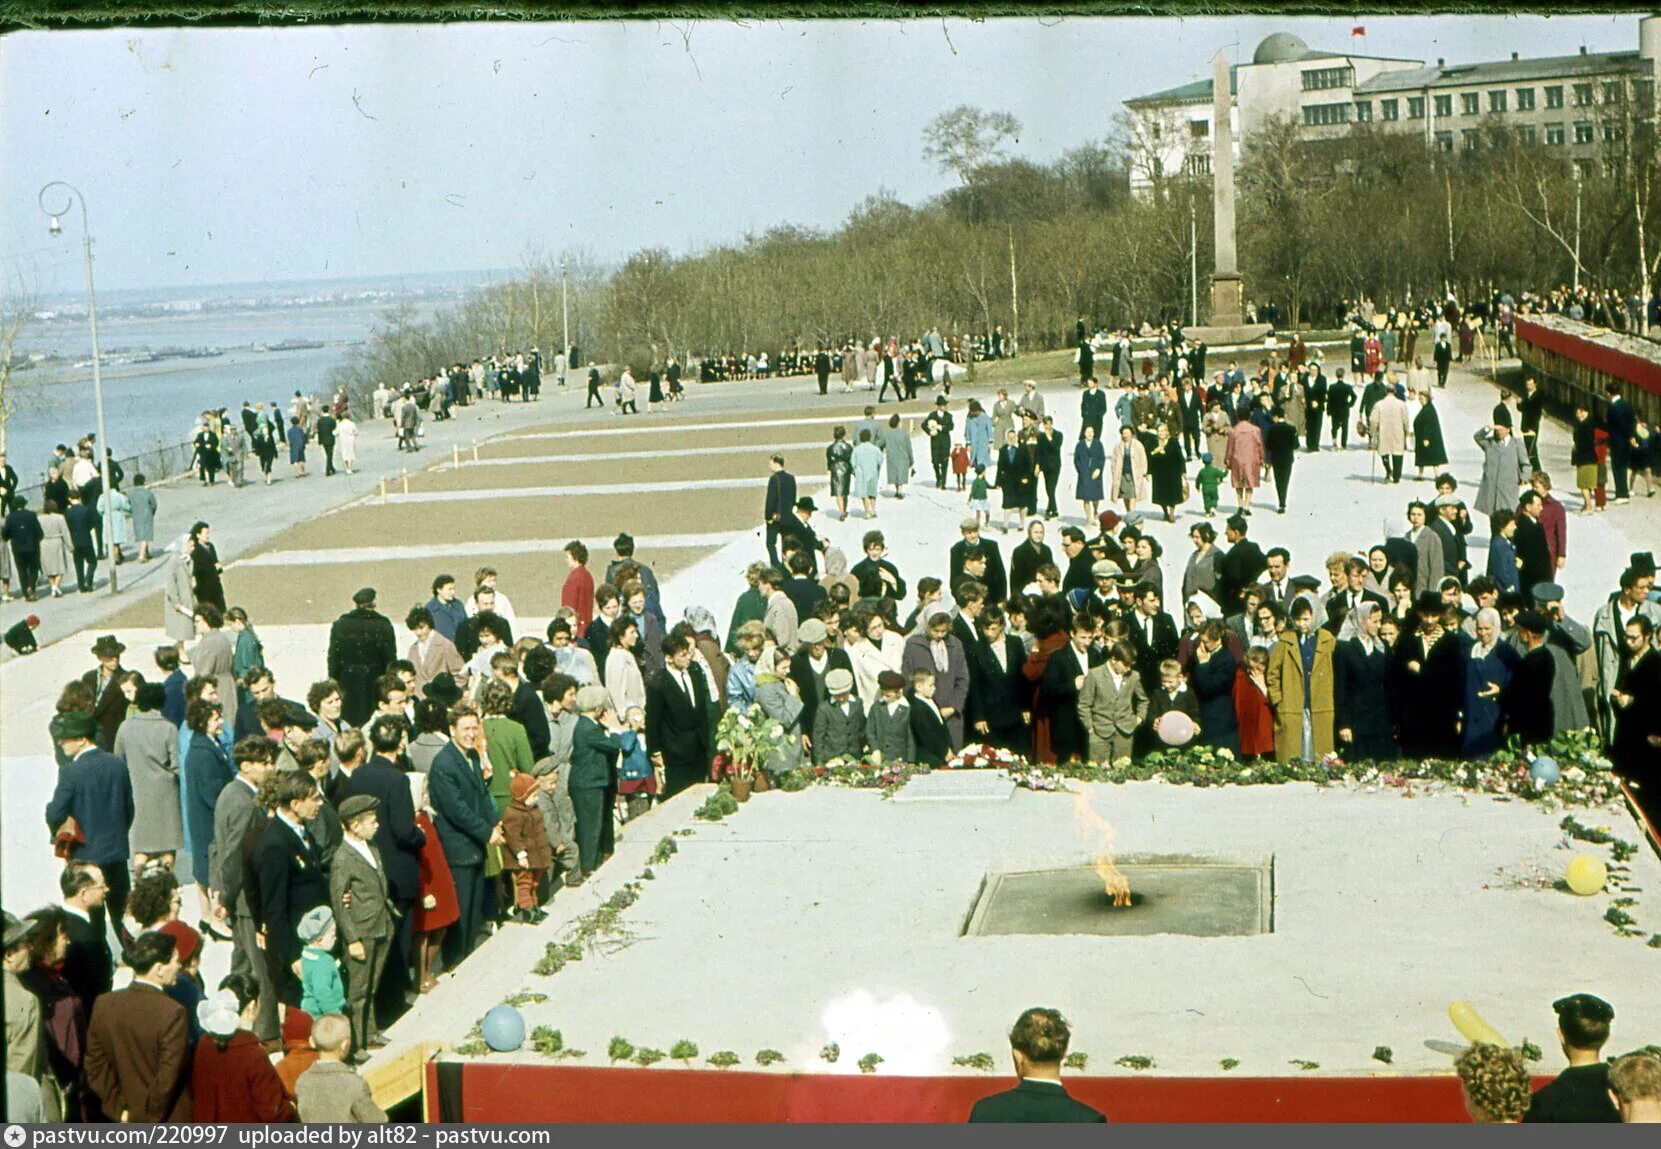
{"x":241,"y":157}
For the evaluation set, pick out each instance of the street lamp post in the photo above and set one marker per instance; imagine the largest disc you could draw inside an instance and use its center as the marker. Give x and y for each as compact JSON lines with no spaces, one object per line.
{"x":1577,"y":227}
{"x":72,"y":196}
{"x":565,"y":322}
{"x":1193,"y":263}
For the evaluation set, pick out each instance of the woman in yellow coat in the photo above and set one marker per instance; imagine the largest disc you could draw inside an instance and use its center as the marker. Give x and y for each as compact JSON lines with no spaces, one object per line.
{"x":1301,"y":686}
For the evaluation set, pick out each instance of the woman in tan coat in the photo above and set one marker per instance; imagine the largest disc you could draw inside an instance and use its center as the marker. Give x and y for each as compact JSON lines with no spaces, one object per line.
{"x":1127,"y":474}
{"x":1301,"y":686}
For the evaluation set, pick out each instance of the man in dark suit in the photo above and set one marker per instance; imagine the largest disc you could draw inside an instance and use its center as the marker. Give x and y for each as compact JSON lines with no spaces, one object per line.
{"x":996,"y":580}
{"x":109,"y":704}
{"x":781,"y":488}
{"x":821,"y":370}
{"x":1526,"y":699}
{"x":1000,"y":700}
{"x":1240,"y":566}
{"x":238,"y":822}
{"x":1455,"y":561}
{"x":1341,"y":604}
{"x":804,"y":591}
{"x":467,"y":825}
{"x":138,"y":1041}
{"x":1058,"y":690}
{"x":1038,"y":1045}
{"x":1092,"y":407}
{"x":88,"y":965}
{"x":399,"y":841}
{"x":677,"y":717}
{"x":22,"y":530}
{"x":95,"y":789}
{"x":1153,"y":633}
{"x":291,"y":879}
{"x":1049,"y":462}
{"x":798,"y":524}
{"x":83,"y":525}
{"x":361,"y":647}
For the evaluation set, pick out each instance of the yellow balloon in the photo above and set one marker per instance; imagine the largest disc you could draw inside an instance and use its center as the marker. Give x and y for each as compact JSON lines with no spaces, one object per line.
{"x":1472,"y":1028}
{"x":1586,"y":874}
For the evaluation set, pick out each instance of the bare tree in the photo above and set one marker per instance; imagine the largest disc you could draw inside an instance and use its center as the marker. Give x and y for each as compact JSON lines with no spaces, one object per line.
{"x":17,"y":306}
{"x":967,"y":138}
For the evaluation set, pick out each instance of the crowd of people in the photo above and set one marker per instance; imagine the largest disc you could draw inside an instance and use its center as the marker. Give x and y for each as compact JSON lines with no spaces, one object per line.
{"x":352,"y":846}
{"x":854,"y":361}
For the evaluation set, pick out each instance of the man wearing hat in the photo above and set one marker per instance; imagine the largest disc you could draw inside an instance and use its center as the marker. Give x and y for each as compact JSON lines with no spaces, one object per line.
{"x":361,"y":899}
{"x":1580,"y":1092}
{"x":1527,"y":699}
{"x":109,"y":704}
{"x":1103,"y":602}
{"x":677,"y":716}
{"x":1566,"y":641}
{"x":25,"y":1040}
{"x":1454,"y":559}
{"x":996,"y":580}
{"x":797,"y":525}
{"x":361,"y":647}
{"x":21,"y":637}
{"x":813,"y":661}
{"x":839,"y":721}
{"x":938,"y":427}
{"x":95,"y":790}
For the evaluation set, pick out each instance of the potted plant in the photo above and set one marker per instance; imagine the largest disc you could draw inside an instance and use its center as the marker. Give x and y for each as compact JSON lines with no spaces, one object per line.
{"x":747,"y":739}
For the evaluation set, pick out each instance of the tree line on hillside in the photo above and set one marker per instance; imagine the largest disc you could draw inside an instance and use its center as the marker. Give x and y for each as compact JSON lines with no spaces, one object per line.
{"x":1033,"y":246}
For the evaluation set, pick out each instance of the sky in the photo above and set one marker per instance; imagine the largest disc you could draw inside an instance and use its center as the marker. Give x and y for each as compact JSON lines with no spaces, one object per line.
{"x":211,"y":156}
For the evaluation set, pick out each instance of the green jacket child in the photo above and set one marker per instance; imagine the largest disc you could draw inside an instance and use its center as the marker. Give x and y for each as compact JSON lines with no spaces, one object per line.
{"x":321,"y":990}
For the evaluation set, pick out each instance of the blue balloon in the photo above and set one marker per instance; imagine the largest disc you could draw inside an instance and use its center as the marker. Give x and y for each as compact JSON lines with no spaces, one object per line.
{"x":1544,"y":771}
{"x":504,"y":1029}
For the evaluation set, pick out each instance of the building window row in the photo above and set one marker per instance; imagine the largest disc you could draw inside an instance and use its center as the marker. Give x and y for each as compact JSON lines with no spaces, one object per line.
{"x":1321,"y":79}
{"x":1500,"y":99}
{"x":1323,"y":115}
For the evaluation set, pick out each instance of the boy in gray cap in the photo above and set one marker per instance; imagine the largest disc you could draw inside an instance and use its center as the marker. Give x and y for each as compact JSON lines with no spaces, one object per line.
{"x":321,"y":990}
{"x":363,"y":909}
{"x":839,"y":721}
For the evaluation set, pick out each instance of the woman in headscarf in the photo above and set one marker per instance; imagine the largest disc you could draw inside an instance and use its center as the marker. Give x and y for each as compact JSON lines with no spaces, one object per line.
{"x":977,"y":433}
{"x":1489,"y":665}
{"x":1365,"y":721}
{"x":780,"y":698}
{"x":706,"y":641}
{"x":1215,"y":670}
{"x":1167,"y":468}
{"x":836,"y":574}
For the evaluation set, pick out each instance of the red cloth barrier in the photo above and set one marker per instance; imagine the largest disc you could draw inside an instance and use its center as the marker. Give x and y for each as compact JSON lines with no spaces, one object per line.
{"x":1633,"y":369}
{"x":530,"y":1092}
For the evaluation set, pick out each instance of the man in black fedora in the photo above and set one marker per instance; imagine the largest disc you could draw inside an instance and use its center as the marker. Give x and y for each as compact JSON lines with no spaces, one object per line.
{"x":1037,"y":1044}
{"x":361,"y":647}
{"x":938,"y":427}
{"x":797,"y":524}
{"x":109,"y":704}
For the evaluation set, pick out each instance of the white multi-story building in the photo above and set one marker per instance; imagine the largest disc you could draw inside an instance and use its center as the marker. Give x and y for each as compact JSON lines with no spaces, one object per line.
{"x":1585,"y":103}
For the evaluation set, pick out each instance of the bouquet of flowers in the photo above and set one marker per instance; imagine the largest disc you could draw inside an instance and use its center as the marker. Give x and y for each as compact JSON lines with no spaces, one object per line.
{"x":1036,"y":778}
{"x":979,"y":756}
{"x":747,"y":739}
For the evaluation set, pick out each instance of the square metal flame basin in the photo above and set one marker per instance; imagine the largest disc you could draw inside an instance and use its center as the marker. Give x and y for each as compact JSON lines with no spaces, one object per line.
{"x":1198,"y":897}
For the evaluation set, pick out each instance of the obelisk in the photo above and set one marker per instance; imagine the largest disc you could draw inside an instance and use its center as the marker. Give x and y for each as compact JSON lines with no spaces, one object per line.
{"x":1227,"y":291}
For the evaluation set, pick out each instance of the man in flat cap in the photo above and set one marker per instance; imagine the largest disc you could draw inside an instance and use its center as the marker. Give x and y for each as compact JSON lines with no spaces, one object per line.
{"x":95,"y":790}
{"x":996,"y":579}
{"x":361,"y":647}
{"x":1454,"y":558}
{"x":1580,"y":1092}
{"x":1566,"y":640}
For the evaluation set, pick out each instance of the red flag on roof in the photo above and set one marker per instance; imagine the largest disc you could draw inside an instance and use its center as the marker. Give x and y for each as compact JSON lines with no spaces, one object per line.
{"x":1358,"y":30}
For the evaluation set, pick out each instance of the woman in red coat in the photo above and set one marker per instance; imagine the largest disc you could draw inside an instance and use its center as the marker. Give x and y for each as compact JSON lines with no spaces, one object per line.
{"x":233,"y":1080}
{"x":437,"y":909}
{"x":1251,"y":705}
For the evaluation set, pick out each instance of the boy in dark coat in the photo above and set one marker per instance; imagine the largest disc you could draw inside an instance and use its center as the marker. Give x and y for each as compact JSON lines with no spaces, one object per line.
{"x":928,"y":729}
{"x":888,"y":722}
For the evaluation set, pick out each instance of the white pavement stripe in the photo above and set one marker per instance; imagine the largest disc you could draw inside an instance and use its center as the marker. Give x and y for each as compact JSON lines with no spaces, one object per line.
{"x":604,"y":489}
{"x":751,"y":449}
{"x":495,"y":547}
{"x":643,"y":428}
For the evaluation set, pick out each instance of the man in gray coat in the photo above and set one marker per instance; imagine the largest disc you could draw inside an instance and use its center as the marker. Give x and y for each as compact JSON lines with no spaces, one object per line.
{"x":238,"y":820}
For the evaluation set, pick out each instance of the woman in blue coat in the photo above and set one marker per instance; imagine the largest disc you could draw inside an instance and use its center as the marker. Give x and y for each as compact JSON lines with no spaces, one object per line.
{"x":977,"y":432}
{"x":1364,"y":712}
{"x":1489,"y":665}
{"x":207,"y":772}
{"x":1214,"y":670}
{"x":1089,"y":459}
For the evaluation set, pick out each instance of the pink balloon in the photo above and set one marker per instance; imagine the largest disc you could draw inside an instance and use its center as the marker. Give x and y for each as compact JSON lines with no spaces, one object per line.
{"x":1175,"y":728}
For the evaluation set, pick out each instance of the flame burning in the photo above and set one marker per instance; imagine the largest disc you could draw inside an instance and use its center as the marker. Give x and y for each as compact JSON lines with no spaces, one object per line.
{"x":1093,"y":824}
